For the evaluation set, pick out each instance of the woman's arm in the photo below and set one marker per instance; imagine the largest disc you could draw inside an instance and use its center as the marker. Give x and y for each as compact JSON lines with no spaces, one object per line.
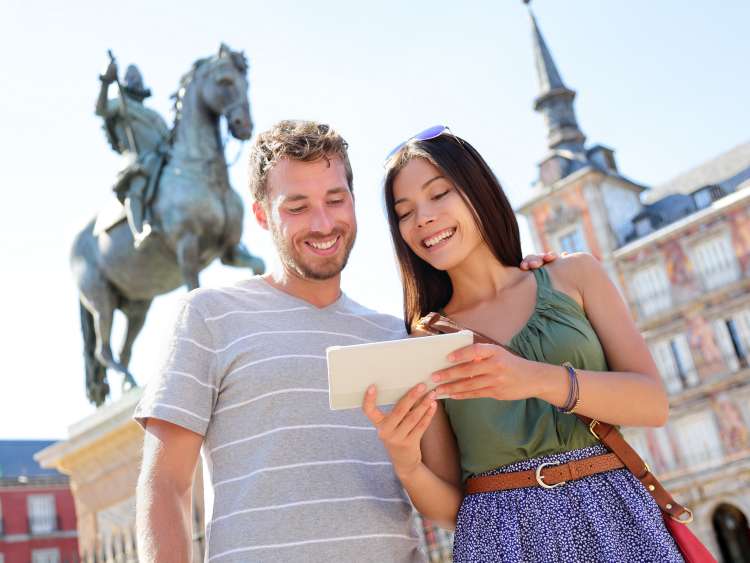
{"x":418,"y":424}
{"x":630,"y":394}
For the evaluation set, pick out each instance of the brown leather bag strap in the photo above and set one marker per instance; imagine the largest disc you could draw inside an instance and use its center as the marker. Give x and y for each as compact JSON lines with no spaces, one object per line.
{"x":607,"y":434}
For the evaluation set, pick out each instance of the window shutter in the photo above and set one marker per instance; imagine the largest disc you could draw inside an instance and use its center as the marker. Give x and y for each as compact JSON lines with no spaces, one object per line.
{"x":725,"y":344}
{"x":686,"y":359}
{"x":667,"y":368}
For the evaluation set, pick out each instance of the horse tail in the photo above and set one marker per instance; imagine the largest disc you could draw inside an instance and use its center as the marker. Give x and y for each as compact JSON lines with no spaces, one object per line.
{"x":97,"y":387}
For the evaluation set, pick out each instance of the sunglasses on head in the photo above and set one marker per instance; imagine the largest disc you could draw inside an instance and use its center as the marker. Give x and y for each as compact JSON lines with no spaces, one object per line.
{"x":426,"y":135}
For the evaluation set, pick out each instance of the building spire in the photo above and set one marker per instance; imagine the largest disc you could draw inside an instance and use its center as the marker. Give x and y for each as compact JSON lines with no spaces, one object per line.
{"x":555,"y":100}
{"x":546,"y":71}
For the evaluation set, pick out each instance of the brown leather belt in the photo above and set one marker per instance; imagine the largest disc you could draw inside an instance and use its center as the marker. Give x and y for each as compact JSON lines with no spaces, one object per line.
{"x":547,"y":475}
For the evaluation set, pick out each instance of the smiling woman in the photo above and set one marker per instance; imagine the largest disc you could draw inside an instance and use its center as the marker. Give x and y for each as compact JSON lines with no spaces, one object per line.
{"x":559,"y":341}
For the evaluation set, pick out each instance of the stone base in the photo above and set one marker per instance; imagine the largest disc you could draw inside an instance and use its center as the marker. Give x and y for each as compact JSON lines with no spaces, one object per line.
{"x":102,"y":457}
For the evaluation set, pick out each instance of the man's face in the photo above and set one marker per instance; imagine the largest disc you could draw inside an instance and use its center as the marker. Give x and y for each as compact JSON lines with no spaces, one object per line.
{"x":309,"y":211}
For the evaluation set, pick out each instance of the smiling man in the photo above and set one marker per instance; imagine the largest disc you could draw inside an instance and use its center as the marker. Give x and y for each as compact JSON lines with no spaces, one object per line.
{"x":246,"y":380}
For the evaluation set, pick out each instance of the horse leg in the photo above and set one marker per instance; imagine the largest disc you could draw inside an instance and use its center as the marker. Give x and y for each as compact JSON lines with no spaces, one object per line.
{"x":239,"y":257}
{"x":188,"y":258}
{"x":135,"y":312}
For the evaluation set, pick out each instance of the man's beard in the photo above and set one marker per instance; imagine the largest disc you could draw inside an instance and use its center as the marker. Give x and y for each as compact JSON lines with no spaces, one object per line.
{"x":295,"y":261}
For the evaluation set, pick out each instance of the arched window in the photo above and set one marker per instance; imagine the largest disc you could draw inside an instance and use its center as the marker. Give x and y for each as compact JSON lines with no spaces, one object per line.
{"x":732,"y":533}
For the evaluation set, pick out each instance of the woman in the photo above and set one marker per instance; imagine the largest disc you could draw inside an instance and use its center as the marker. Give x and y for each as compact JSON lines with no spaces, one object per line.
{"x":509,"y":411}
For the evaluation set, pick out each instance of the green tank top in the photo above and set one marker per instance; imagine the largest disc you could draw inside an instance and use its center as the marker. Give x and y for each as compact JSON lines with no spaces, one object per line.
{"x":492,"y":433}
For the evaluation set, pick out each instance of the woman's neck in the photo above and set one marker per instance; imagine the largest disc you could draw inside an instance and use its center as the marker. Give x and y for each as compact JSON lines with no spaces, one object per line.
{"x":479,"y":278}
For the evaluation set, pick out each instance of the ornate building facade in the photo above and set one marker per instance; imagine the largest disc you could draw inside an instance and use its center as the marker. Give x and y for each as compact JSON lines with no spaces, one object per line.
{"x":680,"y":255}
{"x":37,"y":513}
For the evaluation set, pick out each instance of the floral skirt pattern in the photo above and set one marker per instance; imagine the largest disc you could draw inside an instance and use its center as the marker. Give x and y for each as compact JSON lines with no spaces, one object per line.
{"x":607,"y":517}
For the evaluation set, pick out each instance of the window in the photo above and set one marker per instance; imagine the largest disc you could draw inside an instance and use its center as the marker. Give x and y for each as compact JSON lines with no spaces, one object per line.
{"x":665,"y":460}
{"x":728,"y":340}
{"x":49,"y":555}
{"x":715,"y":261}
{"x":636,"y":437}
{"x":675,"y":363}
{"x":643,"y":227}
{"x":699,"y":439}
{"x":741,"y":322}
{"x":650,"y":288}
{"x":42,"y":514}
{"x":571,"y":241}
{"x":702,"y":198}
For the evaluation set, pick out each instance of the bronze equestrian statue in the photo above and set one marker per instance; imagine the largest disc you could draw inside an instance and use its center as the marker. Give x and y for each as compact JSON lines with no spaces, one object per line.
{"x":176,"y":210}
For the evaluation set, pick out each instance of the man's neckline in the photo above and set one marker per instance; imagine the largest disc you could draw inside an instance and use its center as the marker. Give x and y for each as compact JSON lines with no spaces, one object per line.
{"x":333,"y":305}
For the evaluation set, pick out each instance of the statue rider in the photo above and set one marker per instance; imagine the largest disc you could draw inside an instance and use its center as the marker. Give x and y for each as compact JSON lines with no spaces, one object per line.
{"x":139,"y":134}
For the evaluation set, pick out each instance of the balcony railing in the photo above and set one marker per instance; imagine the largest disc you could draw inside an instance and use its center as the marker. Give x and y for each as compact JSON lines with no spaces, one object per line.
{"x":704,"y":372}
{"x":726,"y":272}
{"x":39,"y":525}
{"x":712,"y":279}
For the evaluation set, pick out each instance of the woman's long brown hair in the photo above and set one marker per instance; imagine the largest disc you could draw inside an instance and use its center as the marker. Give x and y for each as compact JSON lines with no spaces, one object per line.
{"x":428,"y":289}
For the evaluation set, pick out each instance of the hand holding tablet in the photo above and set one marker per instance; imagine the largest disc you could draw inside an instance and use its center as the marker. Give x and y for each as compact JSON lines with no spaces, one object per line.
{"x":393,"y":367}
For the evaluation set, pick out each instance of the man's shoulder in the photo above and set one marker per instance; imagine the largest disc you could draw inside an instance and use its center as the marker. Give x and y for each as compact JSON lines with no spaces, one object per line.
{"x":390,"y":326}
{"x":247,"y":294}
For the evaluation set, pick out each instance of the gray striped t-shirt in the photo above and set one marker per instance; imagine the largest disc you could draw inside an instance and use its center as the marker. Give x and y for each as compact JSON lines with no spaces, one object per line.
{"x":292,"y":479}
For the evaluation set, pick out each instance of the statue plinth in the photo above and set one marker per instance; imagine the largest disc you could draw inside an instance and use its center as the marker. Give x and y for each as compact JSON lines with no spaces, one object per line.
{"x":102,"y":457}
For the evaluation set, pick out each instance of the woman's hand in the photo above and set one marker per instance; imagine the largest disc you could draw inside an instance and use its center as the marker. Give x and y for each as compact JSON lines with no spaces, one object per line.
{"x":488,"y":371}
{"x":402,"y":429}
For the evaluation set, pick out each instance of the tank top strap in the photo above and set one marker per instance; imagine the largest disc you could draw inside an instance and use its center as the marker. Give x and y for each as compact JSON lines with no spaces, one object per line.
{"x":542,"y":279}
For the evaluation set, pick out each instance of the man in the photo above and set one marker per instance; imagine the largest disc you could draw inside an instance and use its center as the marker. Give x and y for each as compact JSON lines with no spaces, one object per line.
{"x":246,"y":379}
{"x":139,"y":134}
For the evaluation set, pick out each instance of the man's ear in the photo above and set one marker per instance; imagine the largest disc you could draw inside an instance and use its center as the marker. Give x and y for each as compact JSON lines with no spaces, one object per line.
{"x":260,"y":215}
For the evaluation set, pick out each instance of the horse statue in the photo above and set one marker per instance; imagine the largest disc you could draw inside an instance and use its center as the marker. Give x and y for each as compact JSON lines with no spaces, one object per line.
{"x":195,"y":214}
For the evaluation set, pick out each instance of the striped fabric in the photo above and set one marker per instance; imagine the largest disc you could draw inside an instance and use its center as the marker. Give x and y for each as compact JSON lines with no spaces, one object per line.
{"x":292,"y":480}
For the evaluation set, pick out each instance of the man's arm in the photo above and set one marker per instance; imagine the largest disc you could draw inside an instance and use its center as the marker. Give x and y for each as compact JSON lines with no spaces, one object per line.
{"x":164,"y":492}
{"x":109,"y":76}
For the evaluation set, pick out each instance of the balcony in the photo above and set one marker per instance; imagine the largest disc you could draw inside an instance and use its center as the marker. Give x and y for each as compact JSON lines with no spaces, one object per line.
{"x":41,"y":525}
{"x":719,"y":274}
{"x":651,"y":305}
{"x":686,"y":386}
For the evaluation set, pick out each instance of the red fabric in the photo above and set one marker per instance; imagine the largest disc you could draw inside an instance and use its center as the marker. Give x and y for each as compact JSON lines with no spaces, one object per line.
{"x":693,"y":551}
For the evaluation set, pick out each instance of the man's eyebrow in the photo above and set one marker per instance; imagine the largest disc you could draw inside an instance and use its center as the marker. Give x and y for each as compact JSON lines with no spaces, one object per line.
{"x":427,"y":183}
{"x":299,"y":197}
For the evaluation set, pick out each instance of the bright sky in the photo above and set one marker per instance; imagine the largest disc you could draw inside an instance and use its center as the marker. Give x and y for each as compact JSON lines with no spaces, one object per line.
{"x":663,"y":83}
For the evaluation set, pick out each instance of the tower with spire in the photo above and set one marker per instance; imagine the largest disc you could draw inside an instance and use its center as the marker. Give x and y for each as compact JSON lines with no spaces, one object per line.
{"x":580,"y":201}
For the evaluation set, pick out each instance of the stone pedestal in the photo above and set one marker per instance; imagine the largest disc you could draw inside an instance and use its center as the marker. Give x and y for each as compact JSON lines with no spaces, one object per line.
{"x":102,"y":457}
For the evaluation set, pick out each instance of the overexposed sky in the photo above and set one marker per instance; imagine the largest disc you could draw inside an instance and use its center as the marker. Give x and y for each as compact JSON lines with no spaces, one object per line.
{"x":665,"y":84}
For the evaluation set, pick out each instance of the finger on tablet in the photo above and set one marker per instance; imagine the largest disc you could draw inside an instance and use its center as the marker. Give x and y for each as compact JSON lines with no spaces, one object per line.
{"x":405,"y":403}
{"x":372,"y":412}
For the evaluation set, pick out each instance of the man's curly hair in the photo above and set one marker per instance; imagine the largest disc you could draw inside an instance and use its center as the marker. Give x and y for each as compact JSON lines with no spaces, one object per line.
{"x":306,"y":141}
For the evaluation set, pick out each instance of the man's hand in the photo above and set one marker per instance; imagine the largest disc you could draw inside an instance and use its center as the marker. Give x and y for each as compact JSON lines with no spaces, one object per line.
{"x":402,"y":429}
{"x":535,"y":261}
{"x":110,"y":75}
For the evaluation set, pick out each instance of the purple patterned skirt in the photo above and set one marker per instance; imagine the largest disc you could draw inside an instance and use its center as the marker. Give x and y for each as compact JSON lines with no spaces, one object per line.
{"x":606,"y":517}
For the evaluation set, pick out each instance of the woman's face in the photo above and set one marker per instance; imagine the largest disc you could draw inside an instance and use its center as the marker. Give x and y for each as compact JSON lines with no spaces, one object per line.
{"x":433,"y":218}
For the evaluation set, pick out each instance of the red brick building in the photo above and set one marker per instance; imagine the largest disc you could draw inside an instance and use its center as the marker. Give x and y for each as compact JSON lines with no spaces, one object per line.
{"x":37,"y":512}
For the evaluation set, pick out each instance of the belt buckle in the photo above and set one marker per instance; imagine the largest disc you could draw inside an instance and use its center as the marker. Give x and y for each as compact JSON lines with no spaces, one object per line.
{"x":540,"y":477}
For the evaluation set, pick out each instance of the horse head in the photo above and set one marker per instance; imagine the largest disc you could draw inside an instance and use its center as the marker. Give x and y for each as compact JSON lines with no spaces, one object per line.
{"x":222,"y":87}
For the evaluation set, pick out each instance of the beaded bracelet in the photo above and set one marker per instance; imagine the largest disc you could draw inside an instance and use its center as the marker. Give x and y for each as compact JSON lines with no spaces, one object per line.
{"x":571,"y":403}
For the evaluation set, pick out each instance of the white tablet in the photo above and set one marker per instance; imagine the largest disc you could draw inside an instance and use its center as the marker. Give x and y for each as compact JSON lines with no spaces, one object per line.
{"x":394,"y":366}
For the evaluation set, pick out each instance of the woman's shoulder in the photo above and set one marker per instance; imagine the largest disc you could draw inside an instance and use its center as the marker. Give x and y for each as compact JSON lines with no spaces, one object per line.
{"x":571,"y":273}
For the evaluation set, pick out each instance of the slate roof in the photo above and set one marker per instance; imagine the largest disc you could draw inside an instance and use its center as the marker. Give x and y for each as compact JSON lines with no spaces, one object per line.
{"x":17,"y":459}
{"x":728,"y":170}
